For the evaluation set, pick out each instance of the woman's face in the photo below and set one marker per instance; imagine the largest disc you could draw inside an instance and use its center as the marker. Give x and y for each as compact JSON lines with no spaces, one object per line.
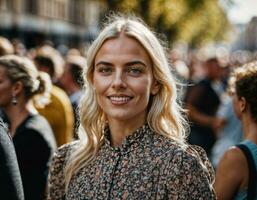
{"x":123,"y":79}
{"x":5,"y":88}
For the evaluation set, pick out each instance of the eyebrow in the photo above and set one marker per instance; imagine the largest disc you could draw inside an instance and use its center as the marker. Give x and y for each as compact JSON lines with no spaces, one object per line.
{"x":103,"y":63}
{"x":136,"y":62}
{"x":127,"y":64}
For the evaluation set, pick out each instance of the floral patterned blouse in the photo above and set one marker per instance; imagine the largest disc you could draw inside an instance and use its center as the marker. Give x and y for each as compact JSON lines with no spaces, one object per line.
{"x":146,"y":166}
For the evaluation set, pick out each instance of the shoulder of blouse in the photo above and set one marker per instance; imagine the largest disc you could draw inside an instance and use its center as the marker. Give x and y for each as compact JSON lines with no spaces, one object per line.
{"x":56,"y":185}
{"x":201,"y":155}
{"x":190,"y":173}
{"x":63,"y":152}
{"x":173,"y":151}
{"x":192,"y":154}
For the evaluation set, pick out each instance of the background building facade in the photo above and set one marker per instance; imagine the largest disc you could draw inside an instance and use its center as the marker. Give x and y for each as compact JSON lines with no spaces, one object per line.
{"x":66,"y":22}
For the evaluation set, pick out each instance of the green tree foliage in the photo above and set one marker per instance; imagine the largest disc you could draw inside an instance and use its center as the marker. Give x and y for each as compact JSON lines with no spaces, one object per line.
{"x":193,"y":21}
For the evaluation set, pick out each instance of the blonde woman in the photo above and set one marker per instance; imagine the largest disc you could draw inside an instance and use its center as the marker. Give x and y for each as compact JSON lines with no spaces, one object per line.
{"x":135,"y":133}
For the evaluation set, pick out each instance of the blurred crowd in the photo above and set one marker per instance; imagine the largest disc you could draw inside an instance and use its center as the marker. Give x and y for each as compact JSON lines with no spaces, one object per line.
{"x":203,"y":83}
{"x":204,"y":88}
{"x":40,"y":91}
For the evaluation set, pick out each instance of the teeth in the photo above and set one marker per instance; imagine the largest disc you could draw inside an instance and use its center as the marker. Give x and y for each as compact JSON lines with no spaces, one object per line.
{"x":120,"y":98}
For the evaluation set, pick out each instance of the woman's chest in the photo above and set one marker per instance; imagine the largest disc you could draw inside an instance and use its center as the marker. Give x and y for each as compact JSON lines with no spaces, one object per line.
{"x":120,"y":176}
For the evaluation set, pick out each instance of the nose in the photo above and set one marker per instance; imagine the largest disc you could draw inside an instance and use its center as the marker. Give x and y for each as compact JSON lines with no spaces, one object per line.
{"x":118,"y":81}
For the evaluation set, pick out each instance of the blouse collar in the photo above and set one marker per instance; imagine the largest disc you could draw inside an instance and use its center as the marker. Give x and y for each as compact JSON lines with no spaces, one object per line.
{"x":130,"y":142}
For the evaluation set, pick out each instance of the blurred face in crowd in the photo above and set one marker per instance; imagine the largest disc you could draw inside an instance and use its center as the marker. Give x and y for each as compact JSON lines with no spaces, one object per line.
{"x":213,"y":70}
{"x":66,"y":77}
{"x":5,"y":88}
{"x":123,"y":79}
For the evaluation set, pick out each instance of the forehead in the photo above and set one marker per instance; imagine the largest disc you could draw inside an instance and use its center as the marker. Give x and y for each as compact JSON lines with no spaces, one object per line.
{"x":122,"y":46}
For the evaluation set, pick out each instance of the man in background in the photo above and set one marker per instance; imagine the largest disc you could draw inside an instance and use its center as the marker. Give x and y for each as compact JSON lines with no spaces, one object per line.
{"x":72,"y":81}
{"x":202,"y":101}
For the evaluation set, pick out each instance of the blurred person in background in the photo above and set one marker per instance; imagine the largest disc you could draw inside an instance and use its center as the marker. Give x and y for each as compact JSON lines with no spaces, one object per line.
{"x":132,"y":144}
{"x":10,"y":178}
{"x":6,"y":47}
{"x":58,"y":112}
{"x":49,"y":60}
{"x":71,"y":81}
{"x":19,"y":47}
{"x":21,"y":85}
{"x":181,"y":72}
{"x":202,"y":101}
{"x":73,"y":52}
{"x":229,"y":134}
{"x":232,"y":175}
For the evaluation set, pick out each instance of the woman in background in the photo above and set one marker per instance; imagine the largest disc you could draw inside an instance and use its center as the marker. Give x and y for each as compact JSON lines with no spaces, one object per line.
{"x":232,"y":173}
{"x":20,"y":85}
{"x":135,"y":134}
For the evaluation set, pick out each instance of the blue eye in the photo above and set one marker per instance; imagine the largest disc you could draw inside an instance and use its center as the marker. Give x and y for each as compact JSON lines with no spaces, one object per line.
{"x":134,"y":71}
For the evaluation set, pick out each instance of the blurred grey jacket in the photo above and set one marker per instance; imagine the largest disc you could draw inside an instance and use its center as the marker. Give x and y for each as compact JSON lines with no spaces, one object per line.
{"x":10,"y":179}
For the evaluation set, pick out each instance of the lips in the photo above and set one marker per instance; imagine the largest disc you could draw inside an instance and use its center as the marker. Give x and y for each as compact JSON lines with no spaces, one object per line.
{"x":119,"y":100}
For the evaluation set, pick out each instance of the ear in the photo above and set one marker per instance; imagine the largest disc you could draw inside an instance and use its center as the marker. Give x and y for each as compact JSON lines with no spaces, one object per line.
{"x":17,"y":88}
{"x":242,"y":104}
{"x":155,"y":87}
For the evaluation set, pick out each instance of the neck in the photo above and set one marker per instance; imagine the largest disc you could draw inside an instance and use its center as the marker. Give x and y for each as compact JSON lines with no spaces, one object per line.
{"x":18,"y":113}
{"x":121,"y":129}
{"x":250,"y":129}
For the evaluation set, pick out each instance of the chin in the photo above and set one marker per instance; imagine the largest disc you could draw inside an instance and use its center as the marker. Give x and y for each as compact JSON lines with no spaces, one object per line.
{"x":120,"y":117}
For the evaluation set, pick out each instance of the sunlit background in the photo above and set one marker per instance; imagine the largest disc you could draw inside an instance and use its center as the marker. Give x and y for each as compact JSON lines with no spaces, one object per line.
{"x":242,"y":11}
{"x":219,"y":27}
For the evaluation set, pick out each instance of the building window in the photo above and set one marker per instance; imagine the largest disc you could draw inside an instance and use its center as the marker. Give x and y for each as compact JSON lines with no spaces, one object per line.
{"x":31,"y":6}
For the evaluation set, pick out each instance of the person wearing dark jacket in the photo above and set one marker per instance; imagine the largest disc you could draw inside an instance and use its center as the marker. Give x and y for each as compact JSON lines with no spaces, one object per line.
{"x":10,"y":178}
{"x":202,"y":101}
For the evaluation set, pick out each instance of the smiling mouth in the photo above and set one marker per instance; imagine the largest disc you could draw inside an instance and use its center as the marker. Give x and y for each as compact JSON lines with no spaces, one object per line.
{"x":118,"y":100}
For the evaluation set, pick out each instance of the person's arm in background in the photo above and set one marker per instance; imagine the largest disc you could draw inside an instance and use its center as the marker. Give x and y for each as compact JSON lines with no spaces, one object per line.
{"x":197,"y":116}
{"x":10,"y":179}
{"x":230,"y":172}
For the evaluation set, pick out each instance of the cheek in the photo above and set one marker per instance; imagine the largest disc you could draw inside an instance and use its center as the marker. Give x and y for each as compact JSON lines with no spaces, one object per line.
{"x":235,"y":107}
{"x":5,"y":93}
{"x":5,"y":87}
{"x":100,"y":84}
{"x":99,"y":89}
{"x":143,"y":88}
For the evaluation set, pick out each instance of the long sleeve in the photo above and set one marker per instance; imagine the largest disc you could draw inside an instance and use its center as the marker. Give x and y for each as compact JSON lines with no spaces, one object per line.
{"x":191,"y":179}
{"x":56,"y":184}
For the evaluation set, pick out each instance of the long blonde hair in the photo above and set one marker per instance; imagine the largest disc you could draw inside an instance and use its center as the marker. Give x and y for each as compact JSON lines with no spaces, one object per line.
{"x":165,"y":115}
